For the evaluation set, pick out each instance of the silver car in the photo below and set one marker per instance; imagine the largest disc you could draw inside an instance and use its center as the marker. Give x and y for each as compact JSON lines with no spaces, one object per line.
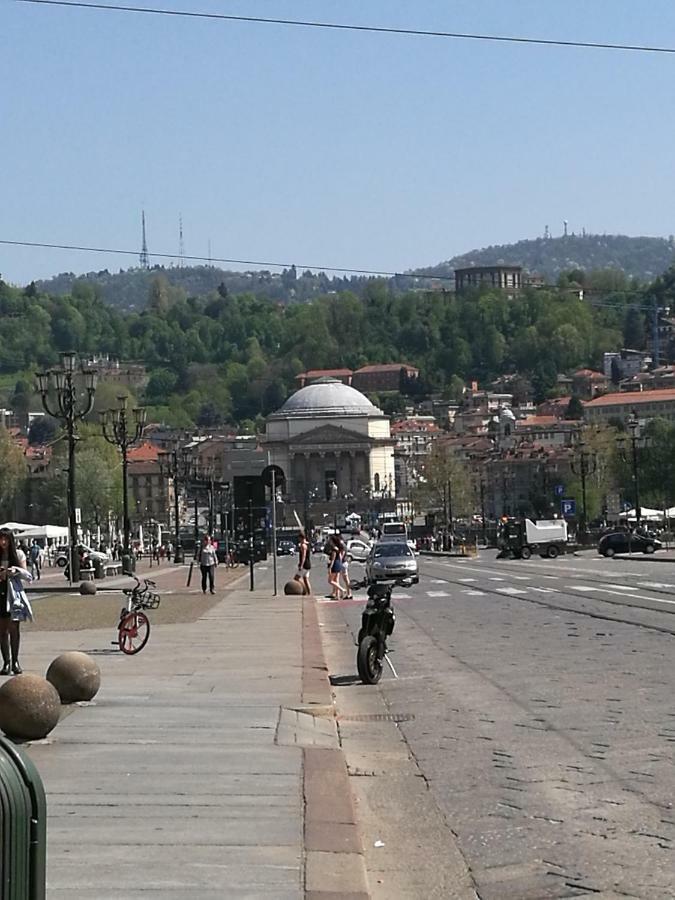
{"x":391,"y":559}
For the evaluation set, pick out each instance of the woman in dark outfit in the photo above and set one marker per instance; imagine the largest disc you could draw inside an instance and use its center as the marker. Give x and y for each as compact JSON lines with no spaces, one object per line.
{"x":304,"y":562}
{"x":12,"y":565}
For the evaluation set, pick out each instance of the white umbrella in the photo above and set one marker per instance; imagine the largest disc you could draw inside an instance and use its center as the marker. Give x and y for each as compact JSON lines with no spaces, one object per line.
{"x":654,"y":515}
{"x":140,"y":536}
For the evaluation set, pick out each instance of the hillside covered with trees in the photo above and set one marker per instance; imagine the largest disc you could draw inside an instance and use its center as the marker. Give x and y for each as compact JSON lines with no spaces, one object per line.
{"x":227,"y":358}
{"x":640,"y":259}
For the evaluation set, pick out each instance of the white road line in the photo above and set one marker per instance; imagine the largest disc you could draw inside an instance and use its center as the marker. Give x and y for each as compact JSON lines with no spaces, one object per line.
{"x":579,"y":587}
{"x":522,"y":577}
{"x":438,"y":581}
{"x":466,"y":580}
{"x":618,"y":587}
{"x":654,"y":584}
{"x":510,"y":590}
{"x":497,"y":579}
{"x":545,"y":590}
{"x":437,"y":594}
{"x":474,"y":593}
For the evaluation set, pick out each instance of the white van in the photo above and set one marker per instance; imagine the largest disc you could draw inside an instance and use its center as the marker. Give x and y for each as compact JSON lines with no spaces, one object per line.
{"x":394,"y":531}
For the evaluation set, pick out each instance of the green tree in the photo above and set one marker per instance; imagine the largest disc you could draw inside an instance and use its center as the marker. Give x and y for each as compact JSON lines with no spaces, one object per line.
{"x":12,"y":473}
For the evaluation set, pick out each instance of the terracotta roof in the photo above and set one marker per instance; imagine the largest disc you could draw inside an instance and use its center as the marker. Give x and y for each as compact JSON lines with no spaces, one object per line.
{"x":537,"y":421}
{"x":385,"y":367}
{"x":589,"y":373}
{"x":414,"y":425}
{"x":146,"y":452}
{"x":630,"y":398}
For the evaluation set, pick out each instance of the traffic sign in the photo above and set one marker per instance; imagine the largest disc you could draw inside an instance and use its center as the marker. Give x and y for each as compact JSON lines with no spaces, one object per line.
{"x":559,"y":490}
{"x":568,"y":508}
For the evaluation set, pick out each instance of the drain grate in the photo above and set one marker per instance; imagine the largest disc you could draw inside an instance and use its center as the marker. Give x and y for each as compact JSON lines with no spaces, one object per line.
{"x":379,"y":717}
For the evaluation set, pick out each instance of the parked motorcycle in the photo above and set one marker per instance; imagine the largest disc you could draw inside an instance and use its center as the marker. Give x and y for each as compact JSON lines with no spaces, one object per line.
{"x":377,"y":624}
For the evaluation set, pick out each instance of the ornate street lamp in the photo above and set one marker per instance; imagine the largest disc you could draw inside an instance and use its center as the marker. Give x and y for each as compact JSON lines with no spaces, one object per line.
{"x":175,"y":466}
{"x":584,"y":465}
{"x":70,"y":404}
{"x":634,"y":428}
{"x":119,"y":430}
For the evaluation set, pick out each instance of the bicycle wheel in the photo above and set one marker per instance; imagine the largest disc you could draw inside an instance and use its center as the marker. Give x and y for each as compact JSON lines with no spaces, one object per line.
{"x":134,"y":631}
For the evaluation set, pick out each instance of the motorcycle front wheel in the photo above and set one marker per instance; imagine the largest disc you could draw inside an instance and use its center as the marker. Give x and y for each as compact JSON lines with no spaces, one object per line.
{"x":367,"y":661}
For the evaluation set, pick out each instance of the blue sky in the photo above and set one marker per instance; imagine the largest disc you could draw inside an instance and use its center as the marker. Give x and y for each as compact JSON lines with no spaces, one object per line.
{"x":329,"y":148}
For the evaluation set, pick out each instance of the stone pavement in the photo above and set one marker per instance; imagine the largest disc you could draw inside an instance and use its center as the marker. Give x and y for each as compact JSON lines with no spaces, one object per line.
{"x":201,"y":770}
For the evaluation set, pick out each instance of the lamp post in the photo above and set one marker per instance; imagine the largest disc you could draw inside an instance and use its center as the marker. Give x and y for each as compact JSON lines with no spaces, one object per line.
{"x":585,"y":465}
{"x":634,"y":428}
{"x":71,"y":405}
{"x":123,"y":432}
{"x":175,"y":465}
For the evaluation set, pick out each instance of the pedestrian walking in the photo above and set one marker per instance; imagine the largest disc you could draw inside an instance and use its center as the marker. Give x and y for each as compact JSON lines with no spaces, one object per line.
{"x":34,"y":560}
{"x":334,"y":551}
{"x":304,"y":562}
{"x":14,"y":605}
{"x":208,"y":560}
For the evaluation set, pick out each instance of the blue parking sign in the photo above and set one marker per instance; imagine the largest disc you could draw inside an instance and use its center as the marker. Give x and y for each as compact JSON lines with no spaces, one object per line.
{"x":568,"y":508}
{"x":559,"y":490}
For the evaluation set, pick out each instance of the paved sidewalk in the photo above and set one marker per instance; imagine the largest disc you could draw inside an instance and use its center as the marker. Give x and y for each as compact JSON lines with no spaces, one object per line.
{"x":197,"y":770}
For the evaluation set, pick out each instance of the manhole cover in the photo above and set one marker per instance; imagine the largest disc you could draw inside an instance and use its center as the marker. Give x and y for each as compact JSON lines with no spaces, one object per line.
{"x":379,"y":717}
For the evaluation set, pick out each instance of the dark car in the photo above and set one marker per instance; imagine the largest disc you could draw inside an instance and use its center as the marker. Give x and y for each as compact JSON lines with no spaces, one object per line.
{"x":285,"y":548}
{"x":627,"y":542}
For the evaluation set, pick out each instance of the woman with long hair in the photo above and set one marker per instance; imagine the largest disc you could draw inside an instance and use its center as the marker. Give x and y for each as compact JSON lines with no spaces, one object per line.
{"x":14,"y":607}
{"x":334,"y":551}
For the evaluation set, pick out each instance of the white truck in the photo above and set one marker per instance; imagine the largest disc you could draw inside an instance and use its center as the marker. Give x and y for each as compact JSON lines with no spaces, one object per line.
{"x":520,"y":538}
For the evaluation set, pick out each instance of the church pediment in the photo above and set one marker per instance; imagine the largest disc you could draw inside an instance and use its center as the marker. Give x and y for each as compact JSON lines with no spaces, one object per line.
{"x":331,"y":436}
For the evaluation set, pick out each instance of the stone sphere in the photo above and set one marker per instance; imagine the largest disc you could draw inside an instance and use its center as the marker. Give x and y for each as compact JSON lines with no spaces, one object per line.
{"x":29,"y":707}
{"x":294,"y":587}
{"x":75,"y":676}
{"x":88,"y":588}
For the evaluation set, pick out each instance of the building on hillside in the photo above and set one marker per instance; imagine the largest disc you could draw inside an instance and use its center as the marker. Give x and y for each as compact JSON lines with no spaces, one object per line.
{"x":500,"y":277}
{"x":312,"y":375}
{"x":619,"y":406}
{"x":415,"y":437}
{"x":556,"y":406}
{"x":586,"y":383}
{"x":334,"y":447}
{"x":624,"y":364}
{"x":385,"y":377}
{"x":547,"y":431}
{"x":132,"y":375}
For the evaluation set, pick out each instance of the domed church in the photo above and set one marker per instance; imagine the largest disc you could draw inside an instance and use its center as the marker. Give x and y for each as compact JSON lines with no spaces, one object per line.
{"x":332,"y":443}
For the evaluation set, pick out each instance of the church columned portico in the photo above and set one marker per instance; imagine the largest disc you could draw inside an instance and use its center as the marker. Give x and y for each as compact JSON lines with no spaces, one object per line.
{"x":333,"y":445}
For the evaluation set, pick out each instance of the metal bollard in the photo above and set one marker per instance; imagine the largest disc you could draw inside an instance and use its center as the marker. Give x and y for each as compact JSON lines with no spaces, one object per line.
{"x":23,"y":827}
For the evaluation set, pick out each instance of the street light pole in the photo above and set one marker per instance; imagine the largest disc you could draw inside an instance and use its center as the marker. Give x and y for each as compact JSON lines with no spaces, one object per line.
{"x":62,"y":383}
{"x":583,"y":467}
{"x":119,"y":431}
{"x":175,"y":465}
{"x":634,"y":425}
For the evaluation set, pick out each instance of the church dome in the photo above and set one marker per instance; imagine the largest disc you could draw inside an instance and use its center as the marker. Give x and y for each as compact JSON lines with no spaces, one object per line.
{"x":326,"y":397}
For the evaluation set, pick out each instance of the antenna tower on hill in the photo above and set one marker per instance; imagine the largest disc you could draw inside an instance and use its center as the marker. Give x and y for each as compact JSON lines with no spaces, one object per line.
{"x":181,"y":243}
{"x":143,"y":258}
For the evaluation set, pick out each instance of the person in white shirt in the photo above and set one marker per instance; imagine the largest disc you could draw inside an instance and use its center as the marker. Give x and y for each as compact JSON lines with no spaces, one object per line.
{"x":208,"y":560}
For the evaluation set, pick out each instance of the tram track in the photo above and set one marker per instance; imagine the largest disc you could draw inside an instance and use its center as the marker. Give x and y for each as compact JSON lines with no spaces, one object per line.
{"x":546,"y":601}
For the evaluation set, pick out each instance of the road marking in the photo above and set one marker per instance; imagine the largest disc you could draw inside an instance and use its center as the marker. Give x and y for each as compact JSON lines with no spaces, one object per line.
{"x":654,"y":584}
{"x":510,"y":590}
{"x":437,"y":594}
{"x":619,"y":587}
{"x":545,"y":590}
{"x":579,"y":587}
{"x":522,"y":577}
{"x":496,"y":579}
{"x":474,"y":593}
{"x":438,"y":581}
{"x":466,"y":580}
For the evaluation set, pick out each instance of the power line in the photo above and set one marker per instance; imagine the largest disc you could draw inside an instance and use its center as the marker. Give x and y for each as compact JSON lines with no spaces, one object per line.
{"x":343,"y":270}
{"x":344,"y":26}
{"x":239,"y":262}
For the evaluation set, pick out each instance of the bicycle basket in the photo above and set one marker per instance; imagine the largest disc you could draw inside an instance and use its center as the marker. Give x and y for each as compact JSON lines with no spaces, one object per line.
{"x":151,"y":601}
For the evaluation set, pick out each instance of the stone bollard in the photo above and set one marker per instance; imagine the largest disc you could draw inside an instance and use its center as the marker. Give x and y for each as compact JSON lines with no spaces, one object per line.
{"x":294,"y":588}
{"x":87,"y":588}
{"x":29,"y":707}
{"x":75,"y":676}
